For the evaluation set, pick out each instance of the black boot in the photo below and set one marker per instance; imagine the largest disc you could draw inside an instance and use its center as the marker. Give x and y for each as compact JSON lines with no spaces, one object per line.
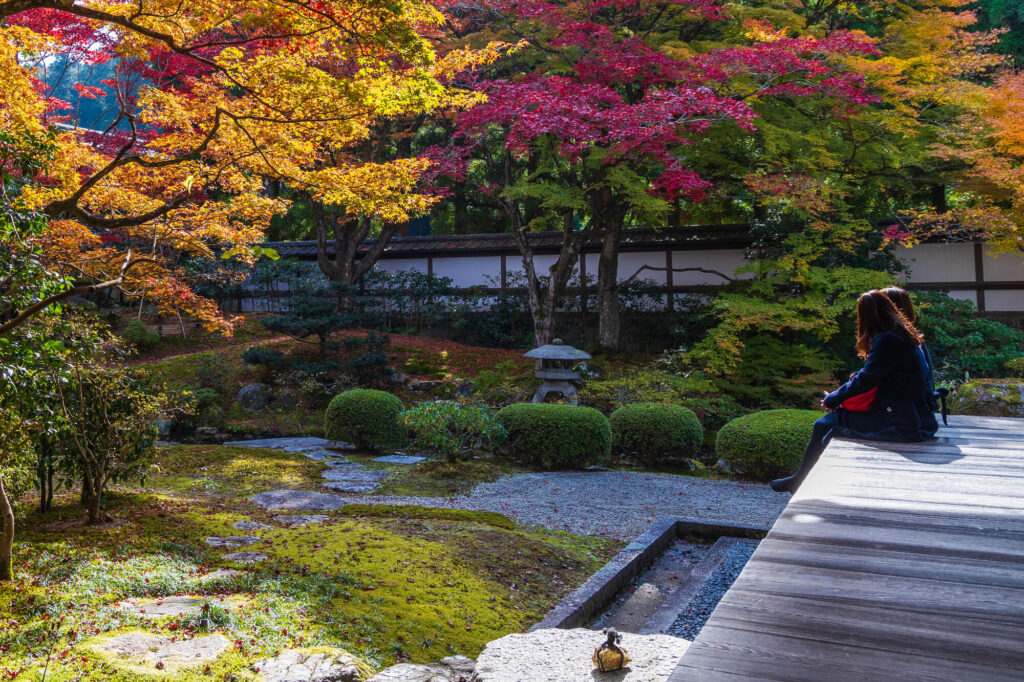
{"x":815,"y":447}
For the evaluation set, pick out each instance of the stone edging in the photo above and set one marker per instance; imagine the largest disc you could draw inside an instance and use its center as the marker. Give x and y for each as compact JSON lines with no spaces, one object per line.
{"x":584,"y":603}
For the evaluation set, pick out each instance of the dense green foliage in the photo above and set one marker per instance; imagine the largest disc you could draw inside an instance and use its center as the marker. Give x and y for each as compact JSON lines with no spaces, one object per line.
{"x":766,"y":444}
{"x":1015,"y":367}
{"x":694,"y":391}
{"x":555,"y":436}
{"x":139,"y":336}
{"x":366,"y":418}
{"x":963,"y":344}
{"x":654,"y":432}
{"x":1007,"y":15}
{"x":453,"y":430}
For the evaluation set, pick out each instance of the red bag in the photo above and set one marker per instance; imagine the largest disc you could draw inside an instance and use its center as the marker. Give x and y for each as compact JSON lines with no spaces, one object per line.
{"x":861,"y":402}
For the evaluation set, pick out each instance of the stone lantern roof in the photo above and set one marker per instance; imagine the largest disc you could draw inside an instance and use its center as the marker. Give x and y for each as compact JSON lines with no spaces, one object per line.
{"x":556,"y":350}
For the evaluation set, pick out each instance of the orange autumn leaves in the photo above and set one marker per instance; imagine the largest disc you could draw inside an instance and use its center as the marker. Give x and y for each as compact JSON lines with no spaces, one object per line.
{"x":249,"y":91}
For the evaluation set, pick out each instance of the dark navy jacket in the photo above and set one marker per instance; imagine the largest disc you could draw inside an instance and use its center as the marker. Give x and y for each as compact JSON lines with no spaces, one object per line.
{"x":902,"y":410}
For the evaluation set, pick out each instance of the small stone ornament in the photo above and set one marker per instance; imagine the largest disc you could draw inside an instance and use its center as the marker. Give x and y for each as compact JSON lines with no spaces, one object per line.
{"x":609,"y":656}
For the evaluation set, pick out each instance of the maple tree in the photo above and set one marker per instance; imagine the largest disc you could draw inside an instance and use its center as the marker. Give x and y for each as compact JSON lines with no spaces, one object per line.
{"x":232,"y":94}
{"x":598,"y":130}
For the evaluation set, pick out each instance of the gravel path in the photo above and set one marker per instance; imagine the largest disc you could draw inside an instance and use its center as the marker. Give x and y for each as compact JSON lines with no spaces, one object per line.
{"x":616,"y":505}
{"x":690,"y":622}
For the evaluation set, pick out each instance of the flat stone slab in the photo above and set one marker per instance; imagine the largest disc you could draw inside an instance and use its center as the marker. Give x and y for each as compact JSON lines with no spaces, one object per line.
{"x":250,"y":525}
{"x":296,"y":520}
{"x":232,"y":540}
{"x":557,"y":655}
{"x":326,"y":456}
{"x":350,"y":486}
{"x":246,"y":557}
{"x":154,"y":654}
{"x":290,"y":444}
{"x":362,"y":475}
{"x":400,"y":459}
{"x":311,"y":665}
{"x":178,"y":605}
{"x":343,"y":464}
{"x":221,"y":574}
{"x":450,"y":669}
{"x":298,"y":500}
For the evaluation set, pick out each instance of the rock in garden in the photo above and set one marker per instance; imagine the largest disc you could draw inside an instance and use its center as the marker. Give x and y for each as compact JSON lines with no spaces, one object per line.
{"x":556,"y":655}
{"x":143,"y":652}
{"x":178,"y":605}
{"x":362,"y":475}
{"x":251,"y":525}
{"x":450,"y":669}
{"x":221,"y":574}
{"x":254,"y":397}
{"x":312,"y":665}
{"x":299,"y":500}
{"x":246,"y":557}
{"x":350,"y":486}
{"x":325,"y":456}
{"x":287,"y":443}
{"x":232,"y":541}
{"x":297,"y":520}
{"x":397,"y":377}
{"x":989,"y":398}
{"x":424,"y":385}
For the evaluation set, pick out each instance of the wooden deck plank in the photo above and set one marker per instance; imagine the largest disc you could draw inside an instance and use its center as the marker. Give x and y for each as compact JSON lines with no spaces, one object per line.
{"x":892,"y":562}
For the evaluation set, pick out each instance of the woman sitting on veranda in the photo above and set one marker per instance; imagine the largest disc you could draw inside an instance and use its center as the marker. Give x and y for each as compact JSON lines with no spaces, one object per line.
{"x":895,"y":367}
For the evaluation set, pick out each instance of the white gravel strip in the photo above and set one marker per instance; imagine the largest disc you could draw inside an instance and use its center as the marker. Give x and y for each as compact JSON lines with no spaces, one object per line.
{"x":616,"y":505}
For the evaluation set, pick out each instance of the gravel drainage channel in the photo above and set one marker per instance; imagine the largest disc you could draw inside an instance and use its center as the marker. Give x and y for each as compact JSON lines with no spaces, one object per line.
{"x":667,"y":581}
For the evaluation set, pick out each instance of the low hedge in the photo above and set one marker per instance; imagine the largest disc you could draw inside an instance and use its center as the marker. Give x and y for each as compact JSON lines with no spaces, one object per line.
{"x":367,"y":419}
{"x":766,"y":444}
{"x":654,"y":432}
{"x":555,"y":436}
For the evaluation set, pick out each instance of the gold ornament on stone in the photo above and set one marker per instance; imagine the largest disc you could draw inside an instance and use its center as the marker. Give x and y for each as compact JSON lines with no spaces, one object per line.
{"x":609,"y":656}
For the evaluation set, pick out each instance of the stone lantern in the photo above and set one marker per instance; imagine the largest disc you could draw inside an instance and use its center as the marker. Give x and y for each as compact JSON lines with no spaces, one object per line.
{"x":556,"y":365}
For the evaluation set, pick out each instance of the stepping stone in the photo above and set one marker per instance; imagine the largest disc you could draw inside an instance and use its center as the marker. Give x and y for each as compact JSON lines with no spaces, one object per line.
{"x":298,"y":500}
{"x":296,"y":520}
{"x":221,"y":574}
{"x":325,"y":456}
{"x":286,"y":444}
{"x":400,"y":459}
{"x":154,"y":654}
{"x":361,"y":475}
{"x":246,"y":557}
{"x":450,"y":669}
{"x":343,"y":464}
{"x":232,"y":541}
{"x":178,"y":605}
{"x":308,"y":665}
{"x":251,"y":525}
{"x":350,"y":486}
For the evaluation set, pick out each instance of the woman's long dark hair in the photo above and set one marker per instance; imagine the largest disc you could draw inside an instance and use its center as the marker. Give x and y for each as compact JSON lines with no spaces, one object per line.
{"x":900,"y":297}
{"x":877,"y":314}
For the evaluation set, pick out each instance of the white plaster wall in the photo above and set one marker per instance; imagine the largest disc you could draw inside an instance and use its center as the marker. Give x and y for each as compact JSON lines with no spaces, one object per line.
{"x":631,"y":262}
{"x":395,"y":264}
{"x":938,"y":262}
{"x":965,"y":295}
{"x":469,"y":271}
{"x":1004,"y":300}
{"x":1007,"y":267}
{"x":723,"y":260}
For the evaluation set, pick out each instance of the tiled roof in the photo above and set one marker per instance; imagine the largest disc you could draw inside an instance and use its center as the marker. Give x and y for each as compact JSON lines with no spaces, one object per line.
{"x":637,"y":239}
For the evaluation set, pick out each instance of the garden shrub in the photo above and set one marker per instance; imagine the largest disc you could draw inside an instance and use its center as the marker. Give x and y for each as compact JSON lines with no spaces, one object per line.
{"x":712,"y":407}
{"x":262,"y":356}
{"x":989,"y":398}
{"x":654,"y":432}
{"x":1015,"y":367}
{"x":453,"y":430}
{"x":366,"y":418}
{"x":766,"y":444}
{"x":556,"y":436}
{"x":212,"y":372}
{"x":139,"y":336}
{"x":961,"y":343}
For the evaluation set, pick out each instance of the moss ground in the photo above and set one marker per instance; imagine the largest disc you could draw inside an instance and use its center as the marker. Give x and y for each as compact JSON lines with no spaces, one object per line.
{"x":387,"y":584}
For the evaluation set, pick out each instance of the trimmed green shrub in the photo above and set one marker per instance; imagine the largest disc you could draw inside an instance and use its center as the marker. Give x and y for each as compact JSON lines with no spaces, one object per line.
{"x":139,"y":335}
{"x":366,"y":418}
{"x":556,"y":436}
{"x":455,"y":431}
{"x":766,"y":444}
{"x":654,"y":432}
{"x":1015,"y":367}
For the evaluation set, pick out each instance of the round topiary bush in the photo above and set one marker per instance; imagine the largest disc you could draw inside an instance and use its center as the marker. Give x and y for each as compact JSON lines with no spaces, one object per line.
{"x":766,"y":444}
{"x":654,"y":432}
{"x":555,"y":436}
{"x":367,"y":419}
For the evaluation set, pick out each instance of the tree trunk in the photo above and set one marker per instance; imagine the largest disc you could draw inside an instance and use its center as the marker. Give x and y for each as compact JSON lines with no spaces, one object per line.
{"x":6,"y":535}
{"x":609,"y":334}
{"x":95,"y":499}
{"x":86,"y":496}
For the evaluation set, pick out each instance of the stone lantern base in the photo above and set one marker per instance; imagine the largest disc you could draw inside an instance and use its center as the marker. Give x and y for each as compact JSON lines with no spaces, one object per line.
{"x":566,"y":388}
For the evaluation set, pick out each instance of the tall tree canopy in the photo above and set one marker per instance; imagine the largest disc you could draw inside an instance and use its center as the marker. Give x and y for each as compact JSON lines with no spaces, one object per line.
{"x":213,"y":99}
